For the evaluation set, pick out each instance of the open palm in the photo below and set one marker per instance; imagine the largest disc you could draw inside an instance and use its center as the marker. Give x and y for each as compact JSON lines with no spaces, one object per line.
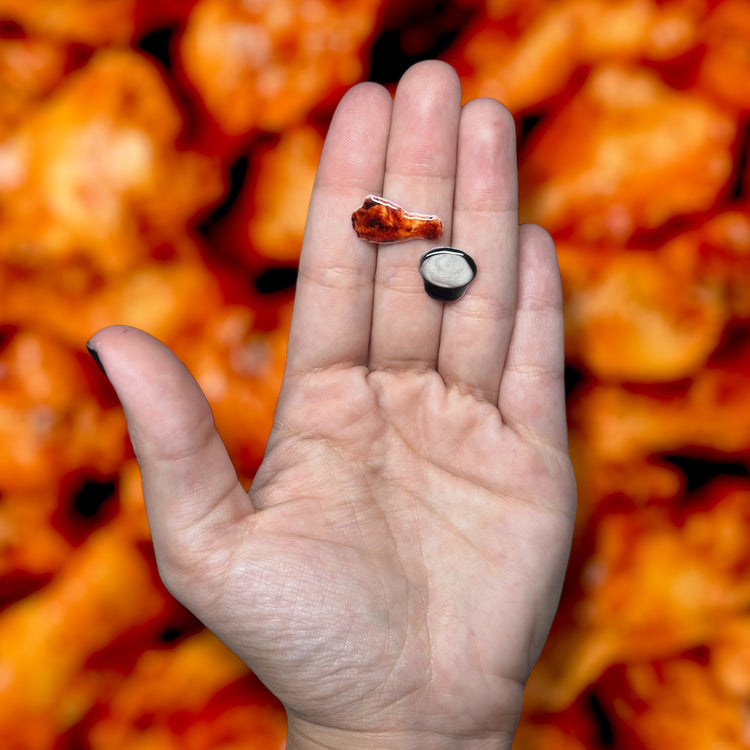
{"x":395,"y":569}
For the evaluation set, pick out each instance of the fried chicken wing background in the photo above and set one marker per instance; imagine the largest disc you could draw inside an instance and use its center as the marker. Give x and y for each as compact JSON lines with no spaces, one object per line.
{"x":156,"y":159}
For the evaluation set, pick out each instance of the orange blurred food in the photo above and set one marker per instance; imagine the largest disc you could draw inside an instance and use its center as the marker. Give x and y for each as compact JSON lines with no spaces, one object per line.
{"x":156,"y":161}
{"x":626,"y":152}
{"x":96,"y":172}
{"x":266,"y":63}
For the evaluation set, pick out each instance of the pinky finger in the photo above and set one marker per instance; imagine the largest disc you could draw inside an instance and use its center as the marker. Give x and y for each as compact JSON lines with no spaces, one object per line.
{"x":532,"y":390}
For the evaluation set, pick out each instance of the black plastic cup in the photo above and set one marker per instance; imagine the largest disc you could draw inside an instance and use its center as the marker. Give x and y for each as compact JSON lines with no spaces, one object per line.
{"x":447,"y":273}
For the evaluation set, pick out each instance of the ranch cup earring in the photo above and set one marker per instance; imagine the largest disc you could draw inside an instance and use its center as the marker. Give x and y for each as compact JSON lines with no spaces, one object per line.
{"x":447,"y":273}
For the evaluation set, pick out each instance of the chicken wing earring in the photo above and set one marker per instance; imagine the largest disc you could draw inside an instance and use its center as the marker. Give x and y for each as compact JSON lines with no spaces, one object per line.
{"x":381,"y":221}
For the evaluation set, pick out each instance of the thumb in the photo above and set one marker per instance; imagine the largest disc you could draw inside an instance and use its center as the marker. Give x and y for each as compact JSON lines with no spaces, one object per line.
{"x":189,"y":483}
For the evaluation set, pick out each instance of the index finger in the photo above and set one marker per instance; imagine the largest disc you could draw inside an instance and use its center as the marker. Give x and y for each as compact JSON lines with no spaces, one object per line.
{"x":333,"y":304}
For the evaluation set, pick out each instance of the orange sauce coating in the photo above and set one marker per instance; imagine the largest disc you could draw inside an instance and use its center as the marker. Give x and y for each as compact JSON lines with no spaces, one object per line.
{"x":382,"y":221}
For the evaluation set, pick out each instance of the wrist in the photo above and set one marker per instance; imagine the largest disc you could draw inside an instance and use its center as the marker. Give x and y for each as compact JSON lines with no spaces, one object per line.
{"x":305,"y":736}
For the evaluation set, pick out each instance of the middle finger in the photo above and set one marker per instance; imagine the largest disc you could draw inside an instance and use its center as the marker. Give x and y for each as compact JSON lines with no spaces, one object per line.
{"x":420,"y":174}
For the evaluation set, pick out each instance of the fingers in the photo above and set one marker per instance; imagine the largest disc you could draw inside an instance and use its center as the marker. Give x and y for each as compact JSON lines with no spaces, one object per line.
{"x":420,"y":173}
{"x":188,"y":479}
{"x":532,"y":390}
{"x":333,"y":304}
{"x":476,"y":330}
{"x":358,"y":305}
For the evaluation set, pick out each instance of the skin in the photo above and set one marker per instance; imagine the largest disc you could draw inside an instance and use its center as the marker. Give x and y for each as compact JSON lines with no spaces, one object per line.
{"x":394,"y":571}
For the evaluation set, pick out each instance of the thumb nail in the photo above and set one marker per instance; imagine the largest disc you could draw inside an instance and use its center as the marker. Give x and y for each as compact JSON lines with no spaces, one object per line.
{"x":95,"y":356}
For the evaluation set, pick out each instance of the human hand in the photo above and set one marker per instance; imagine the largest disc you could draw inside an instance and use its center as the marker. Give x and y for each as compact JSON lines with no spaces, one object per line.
{"x":393,"y":574}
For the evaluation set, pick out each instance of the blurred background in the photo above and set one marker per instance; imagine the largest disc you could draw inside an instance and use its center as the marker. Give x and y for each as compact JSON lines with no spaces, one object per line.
{"x":156,"y":160}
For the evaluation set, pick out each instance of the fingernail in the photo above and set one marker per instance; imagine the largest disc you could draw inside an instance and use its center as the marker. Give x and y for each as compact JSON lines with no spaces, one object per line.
{"x":95,"y":356}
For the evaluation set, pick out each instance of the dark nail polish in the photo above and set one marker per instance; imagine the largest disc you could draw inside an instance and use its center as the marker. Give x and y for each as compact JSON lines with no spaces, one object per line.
{"x":95,"y":355}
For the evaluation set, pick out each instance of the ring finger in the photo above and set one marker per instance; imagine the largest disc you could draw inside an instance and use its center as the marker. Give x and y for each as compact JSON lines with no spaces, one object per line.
{"x":476,"y":331}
